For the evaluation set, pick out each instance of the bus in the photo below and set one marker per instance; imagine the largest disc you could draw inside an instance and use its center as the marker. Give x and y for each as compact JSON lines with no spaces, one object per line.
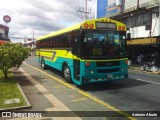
{"x":92,"y":51}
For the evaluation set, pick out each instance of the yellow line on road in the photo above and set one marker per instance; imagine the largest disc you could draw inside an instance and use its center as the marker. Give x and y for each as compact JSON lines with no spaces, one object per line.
{"x":79,"y":99}
{"x":86,"y":94}
{"x":59,"y":86}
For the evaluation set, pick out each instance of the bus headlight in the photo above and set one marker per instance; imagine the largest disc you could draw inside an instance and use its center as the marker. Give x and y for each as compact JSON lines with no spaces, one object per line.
{"x":123,"y":69}
{"x":89,"y":72}
{"x":92,"y":71}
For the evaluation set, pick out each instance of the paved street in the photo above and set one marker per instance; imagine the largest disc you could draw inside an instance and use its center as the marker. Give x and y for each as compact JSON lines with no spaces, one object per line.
{"x":140,"y":90}
{"x":138,"y":93}
{"x":47,"y":91}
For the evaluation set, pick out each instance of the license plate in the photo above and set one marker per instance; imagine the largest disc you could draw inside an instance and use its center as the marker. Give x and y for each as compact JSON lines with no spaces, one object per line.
{"x":109,"y":76}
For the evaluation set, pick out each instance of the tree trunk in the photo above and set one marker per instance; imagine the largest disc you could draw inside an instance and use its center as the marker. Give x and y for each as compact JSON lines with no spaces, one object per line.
{"x":5,"y":72}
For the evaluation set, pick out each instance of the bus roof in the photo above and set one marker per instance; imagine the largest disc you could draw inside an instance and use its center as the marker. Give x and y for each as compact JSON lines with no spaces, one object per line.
{"x":89,"y":23}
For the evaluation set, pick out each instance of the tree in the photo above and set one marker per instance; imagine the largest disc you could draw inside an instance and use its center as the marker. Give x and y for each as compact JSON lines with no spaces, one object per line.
{"x":12,"y":55}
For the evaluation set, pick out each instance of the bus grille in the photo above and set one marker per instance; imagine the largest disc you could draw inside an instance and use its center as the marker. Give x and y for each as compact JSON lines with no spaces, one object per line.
{"x":108,"y":70}
{"x":108,"y":64}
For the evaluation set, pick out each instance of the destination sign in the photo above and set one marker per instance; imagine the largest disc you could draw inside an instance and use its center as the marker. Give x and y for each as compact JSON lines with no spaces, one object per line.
{"x":103,"y":25}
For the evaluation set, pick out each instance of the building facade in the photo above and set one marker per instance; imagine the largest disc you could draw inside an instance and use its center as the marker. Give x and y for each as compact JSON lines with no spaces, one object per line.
{"x":30,"y":43}
{"x":101,"y":8}
{"x":108,"y":7}
{"x":114,"y":6}
{"x":4,"y":34}
{"x":143,"y":22}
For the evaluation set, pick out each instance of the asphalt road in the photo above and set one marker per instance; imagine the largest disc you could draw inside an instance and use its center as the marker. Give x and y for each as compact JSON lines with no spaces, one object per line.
{"x":140,"y":92}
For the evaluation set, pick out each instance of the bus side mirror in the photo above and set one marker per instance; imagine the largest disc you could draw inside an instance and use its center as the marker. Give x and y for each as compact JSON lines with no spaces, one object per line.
{"x":128,"y":37}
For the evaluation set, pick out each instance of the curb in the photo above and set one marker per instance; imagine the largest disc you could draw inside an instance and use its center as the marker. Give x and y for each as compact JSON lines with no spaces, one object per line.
{"x":20,"y":107}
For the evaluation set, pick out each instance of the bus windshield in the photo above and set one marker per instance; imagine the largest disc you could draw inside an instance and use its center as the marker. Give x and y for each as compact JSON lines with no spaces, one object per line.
{"x":103,"y":43}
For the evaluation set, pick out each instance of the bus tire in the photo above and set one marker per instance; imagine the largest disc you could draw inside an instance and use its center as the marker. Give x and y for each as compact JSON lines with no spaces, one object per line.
{"x":43,"y":65}
{"x":67,"y":73}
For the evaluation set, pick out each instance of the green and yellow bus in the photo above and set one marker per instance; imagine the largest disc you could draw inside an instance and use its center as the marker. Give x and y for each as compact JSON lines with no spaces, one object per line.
{"x":92,"y":51}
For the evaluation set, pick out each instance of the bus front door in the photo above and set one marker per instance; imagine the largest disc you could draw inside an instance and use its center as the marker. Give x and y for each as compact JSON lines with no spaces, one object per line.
{"x":77,"y":71}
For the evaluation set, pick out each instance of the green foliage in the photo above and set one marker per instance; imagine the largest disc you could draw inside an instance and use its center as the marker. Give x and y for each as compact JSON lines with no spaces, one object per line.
{"x":12,"y":55}
{"x":9,"y":90}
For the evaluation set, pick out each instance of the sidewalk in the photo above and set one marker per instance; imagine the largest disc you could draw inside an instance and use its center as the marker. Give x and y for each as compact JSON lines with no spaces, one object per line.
{"x":47,"y":93}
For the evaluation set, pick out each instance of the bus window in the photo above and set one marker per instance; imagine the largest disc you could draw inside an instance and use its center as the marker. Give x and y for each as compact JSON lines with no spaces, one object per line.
{"x":103,"y":43}
{"x":70,"y":39}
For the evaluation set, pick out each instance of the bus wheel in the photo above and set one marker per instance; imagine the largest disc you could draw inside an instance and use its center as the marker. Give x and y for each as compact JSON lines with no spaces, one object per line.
{"x":67,"y":73}
{"x":43,"y":65}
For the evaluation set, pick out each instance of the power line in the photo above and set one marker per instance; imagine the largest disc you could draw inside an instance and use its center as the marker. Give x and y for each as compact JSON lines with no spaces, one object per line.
{"x":84,"y":11}
{"x":73,"y":2}
{"x":21,"y":37}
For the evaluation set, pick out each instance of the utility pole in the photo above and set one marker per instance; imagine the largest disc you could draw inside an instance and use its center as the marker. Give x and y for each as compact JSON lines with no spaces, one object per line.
{"x":33,"y":43}
{"x":159,"y":18}
{"x":137,"y":4}
{"x":84,"y":11}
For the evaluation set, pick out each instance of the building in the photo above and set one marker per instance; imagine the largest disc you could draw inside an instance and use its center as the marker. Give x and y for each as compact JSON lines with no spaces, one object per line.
{"x":143,"y":22}
{"x":4,"y":34}
{"x":30,"y":43}
{"x":101,"y":8}
{"x":108,"y":7}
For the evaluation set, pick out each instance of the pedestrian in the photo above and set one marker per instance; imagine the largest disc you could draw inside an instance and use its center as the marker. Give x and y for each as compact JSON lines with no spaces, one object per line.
{"x":140,"y":58}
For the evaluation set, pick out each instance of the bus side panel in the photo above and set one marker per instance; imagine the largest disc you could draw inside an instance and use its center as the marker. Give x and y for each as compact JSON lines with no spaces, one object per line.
{"x":58,"y":65}
{"x":38,"y":55}
{"x":52,"y":57}
{"x":59,"y":62}
{"x":56,"y":59}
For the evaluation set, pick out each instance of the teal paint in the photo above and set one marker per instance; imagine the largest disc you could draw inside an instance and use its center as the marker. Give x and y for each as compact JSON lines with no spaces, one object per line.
{"x":89,"y":74}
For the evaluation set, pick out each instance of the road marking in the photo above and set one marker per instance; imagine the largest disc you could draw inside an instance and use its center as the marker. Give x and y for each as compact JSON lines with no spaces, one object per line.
{"x":59,"y":86}
{"x":107,"y":105}
{"x":148,"y":81}
{"x":79,"y":99}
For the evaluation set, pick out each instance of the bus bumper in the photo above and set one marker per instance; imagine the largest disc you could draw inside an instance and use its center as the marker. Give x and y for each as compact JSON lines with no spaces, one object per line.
{"x":104,"y":79}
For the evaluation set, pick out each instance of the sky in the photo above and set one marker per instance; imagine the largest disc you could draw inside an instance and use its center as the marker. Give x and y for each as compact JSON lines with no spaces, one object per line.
{"x":41,"y":16}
